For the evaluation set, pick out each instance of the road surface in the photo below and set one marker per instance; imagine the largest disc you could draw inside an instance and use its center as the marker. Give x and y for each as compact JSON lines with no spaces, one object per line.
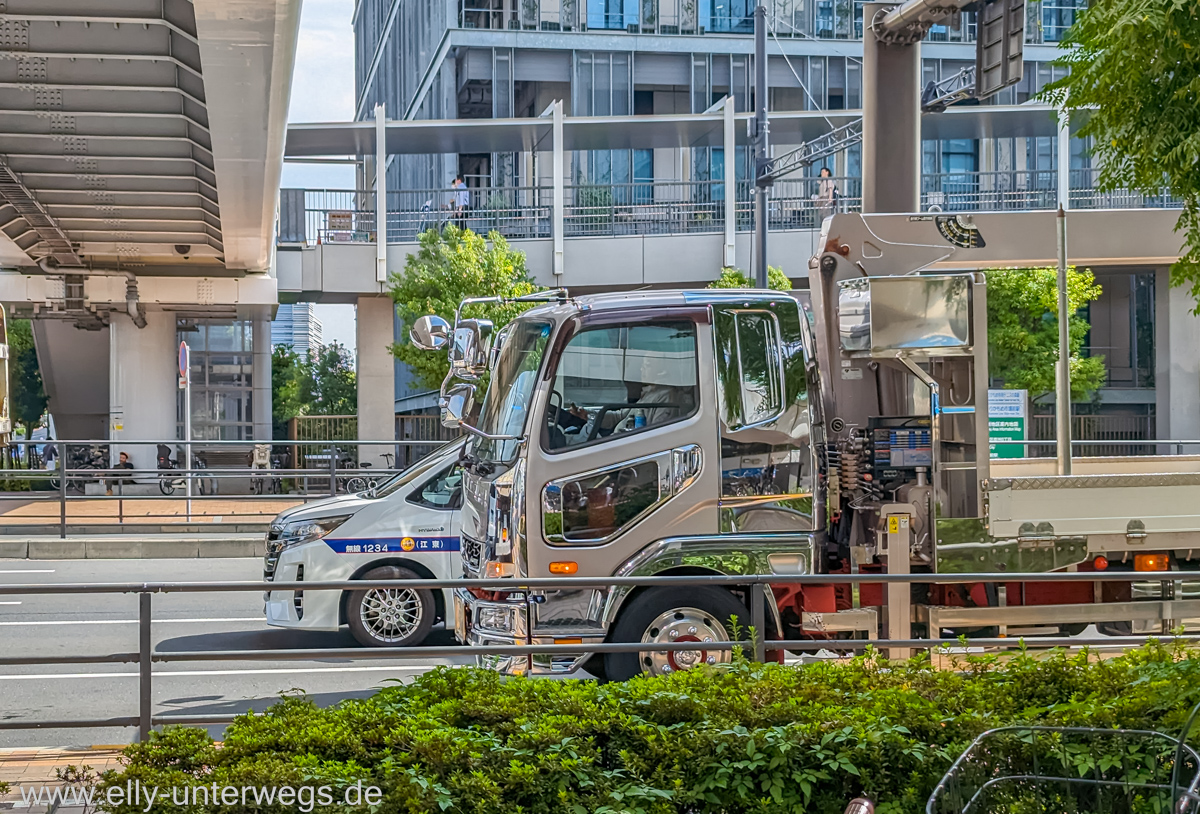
{"x":100,"y":624}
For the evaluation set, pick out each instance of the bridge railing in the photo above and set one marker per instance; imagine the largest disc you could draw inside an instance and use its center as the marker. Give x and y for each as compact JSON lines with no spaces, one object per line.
{"x":667,"y":207}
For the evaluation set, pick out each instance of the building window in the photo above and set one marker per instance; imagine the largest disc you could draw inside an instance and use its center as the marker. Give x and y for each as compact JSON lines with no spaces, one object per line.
{"x":222,"y":364}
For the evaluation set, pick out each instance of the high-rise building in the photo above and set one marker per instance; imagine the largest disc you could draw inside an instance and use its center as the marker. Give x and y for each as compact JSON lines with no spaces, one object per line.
{"x":445,"y":59}
{"x":297,"y":325}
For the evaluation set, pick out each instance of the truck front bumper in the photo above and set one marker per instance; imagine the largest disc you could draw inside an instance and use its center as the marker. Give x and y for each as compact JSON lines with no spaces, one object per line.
{"x":489,"y":623}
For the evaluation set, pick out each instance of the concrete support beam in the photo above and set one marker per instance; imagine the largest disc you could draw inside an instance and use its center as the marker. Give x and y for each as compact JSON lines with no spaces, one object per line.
{"x":891,"y":149}
{"x":260,"y":398}
{"x":376,"y":377}
{"x":1177,"y":367}
{"x":559,"y":202}
{"x":143,"y":382}
{"x":728,"y":257}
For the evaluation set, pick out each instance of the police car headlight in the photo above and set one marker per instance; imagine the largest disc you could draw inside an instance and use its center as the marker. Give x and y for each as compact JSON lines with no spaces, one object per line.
{"x":305,"y":531}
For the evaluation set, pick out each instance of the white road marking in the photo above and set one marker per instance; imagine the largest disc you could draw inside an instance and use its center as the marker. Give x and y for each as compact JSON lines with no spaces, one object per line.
{"x":192,"y":673}
{"x":51,"y":571}
{"x":10,"y":603}
{"x":135,"y":621}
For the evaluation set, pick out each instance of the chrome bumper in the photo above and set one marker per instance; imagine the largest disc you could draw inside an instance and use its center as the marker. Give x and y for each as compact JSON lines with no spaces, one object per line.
{"x":484,"y":623}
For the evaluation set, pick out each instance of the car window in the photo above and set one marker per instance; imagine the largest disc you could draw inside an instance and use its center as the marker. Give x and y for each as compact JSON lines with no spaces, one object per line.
{"x":442,"y":491}
{"x":615,"y":380}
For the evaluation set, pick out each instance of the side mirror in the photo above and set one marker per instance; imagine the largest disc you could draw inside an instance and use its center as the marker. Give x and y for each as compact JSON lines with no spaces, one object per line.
{"x":456,"y":404}
{"x":469,"y":353}
{"x":430,"y":333}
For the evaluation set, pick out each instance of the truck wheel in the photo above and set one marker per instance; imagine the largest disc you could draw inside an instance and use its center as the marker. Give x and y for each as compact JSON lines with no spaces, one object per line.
{"x":390,"y":617}
{"x":700,"y":615}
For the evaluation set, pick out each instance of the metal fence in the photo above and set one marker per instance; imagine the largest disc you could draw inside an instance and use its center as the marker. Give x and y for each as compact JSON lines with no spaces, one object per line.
{"x":757,"y":588}
{"x":223,"y":484}
{"x":657,"y":207}
{"x":1119,"y":431}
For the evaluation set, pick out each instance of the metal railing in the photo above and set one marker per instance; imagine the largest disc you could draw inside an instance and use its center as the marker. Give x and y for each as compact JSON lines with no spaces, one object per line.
{"x":221,"y":485}
{"x":668,"y":207}
{"x":757,"y":588}
{"x":822,"y":20}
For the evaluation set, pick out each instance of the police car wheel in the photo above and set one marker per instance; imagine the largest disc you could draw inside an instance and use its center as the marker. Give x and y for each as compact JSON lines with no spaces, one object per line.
{"x":390,"y":617}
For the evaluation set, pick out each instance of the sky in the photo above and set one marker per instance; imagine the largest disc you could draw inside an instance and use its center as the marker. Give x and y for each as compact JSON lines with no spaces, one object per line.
{"x":323,"y":91}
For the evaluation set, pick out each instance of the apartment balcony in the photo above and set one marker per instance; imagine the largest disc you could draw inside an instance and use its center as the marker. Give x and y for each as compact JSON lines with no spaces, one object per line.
{"x":1048,"y":20}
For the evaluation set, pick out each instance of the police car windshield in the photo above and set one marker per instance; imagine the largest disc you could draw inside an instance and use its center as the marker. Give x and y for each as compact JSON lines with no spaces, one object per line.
{"x":422,"y":467}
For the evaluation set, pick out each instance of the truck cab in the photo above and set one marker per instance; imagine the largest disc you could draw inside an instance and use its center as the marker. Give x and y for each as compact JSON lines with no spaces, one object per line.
{"x":630,"y":435}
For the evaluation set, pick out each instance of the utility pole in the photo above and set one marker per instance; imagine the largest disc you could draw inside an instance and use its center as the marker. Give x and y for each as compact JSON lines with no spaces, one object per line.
{"x":762,"y":180}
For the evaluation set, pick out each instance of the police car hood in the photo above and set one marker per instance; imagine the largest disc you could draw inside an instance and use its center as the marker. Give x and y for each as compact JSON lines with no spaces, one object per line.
{"x":328,"y":507}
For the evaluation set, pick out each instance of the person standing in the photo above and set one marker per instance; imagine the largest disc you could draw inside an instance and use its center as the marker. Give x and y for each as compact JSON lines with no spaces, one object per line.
{"x":460,"y":201}
{"x":827,"y":194}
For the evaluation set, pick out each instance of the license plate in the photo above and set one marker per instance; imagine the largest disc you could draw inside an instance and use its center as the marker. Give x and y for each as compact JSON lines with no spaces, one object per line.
{"x":460,"y":620}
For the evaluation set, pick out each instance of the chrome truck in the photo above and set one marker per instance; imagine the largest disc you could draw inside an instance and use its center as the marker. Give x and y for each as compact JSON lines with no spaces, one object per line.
{"x":755,"y":432}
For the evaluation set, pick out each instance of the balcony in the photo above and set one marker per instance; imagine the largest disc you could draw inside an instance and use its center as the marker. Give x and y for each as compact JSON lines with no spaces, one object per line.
{"x":1048,"y":20}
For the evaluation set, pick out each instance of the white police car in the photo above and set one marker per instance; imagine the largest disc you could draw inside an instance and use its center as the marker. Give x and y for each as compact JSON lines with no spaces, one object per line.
{"x":405,"y":528}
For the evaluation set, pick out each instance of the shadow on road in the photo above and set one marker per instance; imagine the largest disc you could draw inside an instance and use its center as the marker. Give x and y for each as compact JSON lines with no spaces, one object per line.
{"x":278,"y":639}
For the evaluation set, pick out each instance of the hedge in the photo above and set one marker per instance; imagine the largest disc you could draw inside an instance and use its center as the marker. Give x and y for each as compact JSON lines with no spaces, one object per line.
{"x":744,"y":738}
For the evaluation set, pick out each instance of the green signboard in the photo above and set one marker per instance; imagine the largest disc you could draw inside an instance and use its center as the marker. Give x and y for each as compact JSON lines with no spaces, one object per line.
{"x":1006,"y":422}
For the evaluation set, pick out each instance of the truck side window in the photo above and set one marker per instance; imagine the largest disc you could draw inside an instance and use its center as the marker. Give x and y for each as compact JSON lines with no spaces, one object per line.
{"x":597,"y":507}
{"x":614,"y":380}
{"x":758,"y":355}
{"x":442,"y":491}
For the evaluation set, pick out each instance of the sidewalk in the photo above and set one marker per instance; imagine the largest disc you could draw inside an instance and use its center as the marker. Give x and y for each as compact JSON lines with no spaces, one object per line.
{"x":35,"y":768}
{"x":132,"y":546}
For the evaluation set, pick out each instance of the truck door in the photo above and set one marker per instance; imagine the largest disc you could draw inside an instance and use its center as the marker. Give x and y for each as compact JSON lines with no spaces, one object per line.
{"x":626,"y":452}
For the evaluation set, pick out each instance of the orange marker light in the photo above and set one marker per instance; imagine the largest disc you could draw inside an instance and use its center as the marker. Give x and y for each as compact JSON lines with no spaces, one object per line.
{"x":1151,"y":562}
{"x":1100,"y":563}
{"x":564,"y":567}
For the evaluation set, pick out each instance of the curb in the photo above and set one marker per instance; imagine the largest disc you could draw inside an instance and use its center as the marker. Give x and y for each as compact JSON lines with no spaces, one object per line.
{"x":114,"y":547}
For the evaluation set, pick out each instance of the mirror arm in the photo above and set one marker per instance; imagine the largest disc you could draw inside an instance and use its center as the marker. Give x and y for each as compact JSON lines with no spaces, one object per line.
{"x":487,"y":436}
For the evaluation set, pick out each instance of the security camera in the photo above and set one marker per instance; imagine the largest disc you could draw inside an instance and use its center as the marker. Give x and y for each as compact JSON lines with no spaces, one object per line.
{"x":183,"y":248}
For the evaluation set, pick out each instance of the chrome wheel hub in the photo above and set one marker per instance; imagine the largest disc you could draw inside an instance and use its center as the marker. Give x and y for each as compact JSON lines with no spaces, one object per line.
{"x":683,"y":625}
{"x":391,"y":614}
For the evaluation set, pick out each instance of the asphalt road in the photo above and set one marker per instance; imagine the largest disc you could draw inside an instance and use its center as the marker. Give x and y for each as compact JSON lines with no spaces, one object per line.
{"x":101,"y":624}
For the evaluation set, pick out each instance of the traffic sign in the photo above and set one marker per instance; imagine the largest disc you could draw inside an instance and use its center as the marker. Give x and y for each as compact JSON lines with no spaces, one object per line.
{"x":184,"y":364}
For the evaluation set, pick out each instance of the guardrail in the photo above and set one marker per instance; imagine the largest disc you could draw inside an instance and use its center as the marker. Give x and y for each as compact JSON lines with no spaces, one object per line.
{"x":336,"y":467}
{"x":757,"y":586}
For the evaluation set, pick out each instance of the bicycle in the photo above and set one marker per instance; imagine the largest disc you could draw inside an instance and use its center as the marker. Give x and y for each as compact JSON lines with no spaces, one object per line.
{"x":367,"y":482}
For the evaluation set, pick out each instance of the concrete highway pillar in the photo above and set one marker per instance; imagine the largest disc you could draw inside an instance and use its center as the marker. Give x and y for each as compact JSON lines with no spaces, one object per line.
{"x":891,"y":149}
{"x":1177,"y":373}
{"x":143,"y":380}
{"x":376,"y":375}
{"x":260,"y":399}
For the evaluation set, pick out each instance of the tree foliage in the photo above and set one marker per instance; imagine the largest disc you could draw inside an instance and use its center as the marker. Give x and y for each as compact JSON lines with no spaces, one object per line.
{"x":1135,"y":70}
{"x":324,"y":384}
{"x":1023,"y":329}
{"x":27,"y":402}
{"x":736,"y":278}
{"x":449,"y":267}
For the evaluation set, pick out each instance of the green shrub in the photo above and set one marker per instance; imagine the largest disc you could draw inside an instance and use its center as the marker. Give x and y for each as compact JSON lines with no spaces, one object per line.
{"x":746,"y":738}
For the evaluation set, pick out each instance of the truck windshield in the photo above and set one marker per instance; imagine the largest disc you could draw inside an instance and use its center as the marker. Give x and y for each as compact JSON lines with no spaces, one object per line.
{"x":506,"y":404}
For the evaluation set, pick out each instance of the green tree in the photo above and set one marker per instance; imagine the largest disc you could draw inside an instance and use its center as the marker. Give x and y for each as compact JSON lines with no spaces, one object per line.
{"x":1023,"y":329}
{"x":1135,"y":70}
{"x":735,"y":278}
{"x":447,"y":268}
{"x":27,"y":401}
{"x":331,"y":387}
{"x":287,"y":372}
{"x":322,"y":385}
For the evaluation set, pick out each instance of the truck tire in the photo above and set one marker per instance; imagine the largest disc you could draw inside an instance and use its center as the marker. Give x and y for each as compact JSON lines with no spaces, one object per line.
{"x":391,"y":617}
{"x":674,"y":614}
